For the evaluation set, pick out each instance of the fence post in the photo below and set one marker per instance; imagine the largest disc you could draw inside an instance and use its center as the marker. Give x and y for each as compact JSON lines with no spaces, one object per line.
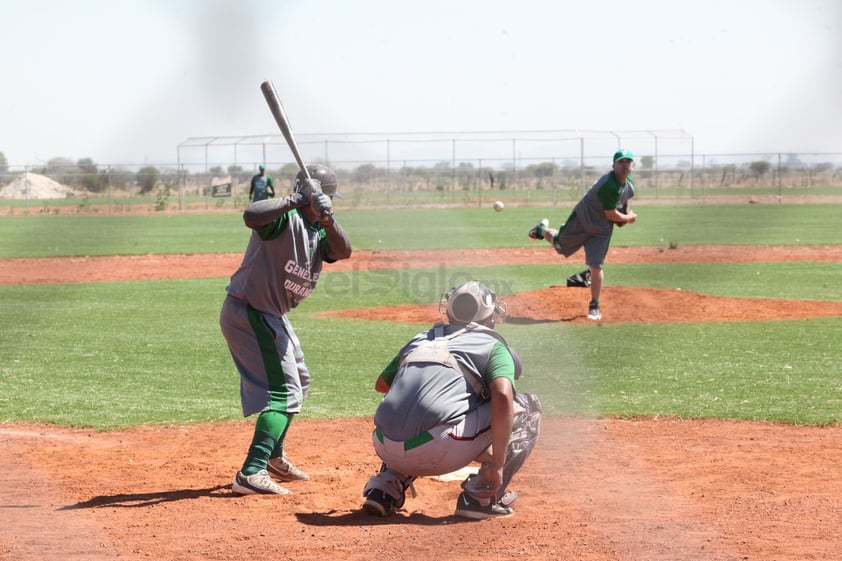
{"x":26,"y":187}
{"x":704,"y":167}
{"x":582,"y":164}
{"x":110,"y":190}
{"x":692,"y":168}
{"x":479,"y":182}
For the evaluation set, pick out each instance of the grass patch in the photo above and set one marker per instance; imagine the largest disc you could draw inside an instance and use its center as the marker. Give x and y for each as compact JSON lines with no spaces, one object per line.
{"x":774,"y":371}
{"x":110,"y":355}
{"x":425,"y":228}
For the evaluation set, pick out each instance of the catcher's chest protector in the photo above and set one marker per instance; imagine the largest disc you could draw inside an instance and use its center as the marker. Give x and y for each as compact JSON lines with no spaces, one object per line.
{"x":436,"y":351}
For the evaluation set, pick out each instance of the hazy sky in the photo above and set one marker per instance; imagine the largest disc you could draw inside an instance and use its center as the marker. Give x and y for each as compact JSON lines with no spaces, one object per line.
{"x":126,"y":81}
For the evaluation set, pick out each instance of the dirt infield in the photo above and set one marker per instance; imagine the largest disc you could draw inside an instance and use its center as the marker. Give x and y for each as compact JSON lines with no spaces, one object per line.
{"x":594,"y":489}
{"x":145,"y":267}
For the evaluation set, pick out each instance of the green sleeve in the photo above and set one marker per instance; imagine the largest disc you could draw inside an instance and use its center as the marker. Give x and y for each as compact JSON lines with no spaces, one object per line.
{"x":275,"y":228}
{"x":500,"y":364}
{"x":609,"y":194}
{"x":388,"y":374}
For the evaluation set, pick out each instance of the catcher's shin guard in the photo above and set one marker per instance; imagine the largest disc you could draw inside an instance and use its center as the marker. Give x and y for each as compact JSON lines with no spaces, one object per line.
{"x":525,"y":429}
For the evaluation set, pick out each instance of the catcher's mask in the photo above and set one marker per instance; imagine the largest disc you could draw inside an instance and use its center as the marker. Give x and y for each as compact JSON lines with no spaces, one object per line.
{"x":471,"y":301}
{"x":323,"y":174}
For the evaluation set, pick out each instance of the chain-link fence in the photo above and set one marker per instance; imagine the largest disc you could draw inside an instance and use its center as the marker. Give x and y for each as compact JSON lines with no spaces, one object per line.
{"x":528,"y":168}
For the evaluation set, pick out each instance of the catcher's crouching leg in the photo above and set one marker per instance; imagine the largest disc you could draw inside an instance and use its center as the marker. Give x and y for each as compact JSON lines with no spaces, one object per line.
{"x":525,"y":428}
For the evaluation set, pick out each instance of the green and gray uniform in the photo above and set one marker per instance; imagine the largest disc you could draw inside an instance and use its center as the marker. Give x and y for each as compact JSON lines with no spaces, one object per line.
{"x":436,"y":415}
{"x":262,"y":187}
{"x":432,"y":421}
{"x":587,"y":225}
{"x":424,"y":395}
{"x":280,"y":268}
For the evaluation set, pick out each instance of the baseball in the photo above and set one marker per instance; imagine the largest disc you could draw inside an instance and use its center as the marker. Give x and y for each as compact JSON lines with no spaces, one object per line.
{"x":499,"y":206}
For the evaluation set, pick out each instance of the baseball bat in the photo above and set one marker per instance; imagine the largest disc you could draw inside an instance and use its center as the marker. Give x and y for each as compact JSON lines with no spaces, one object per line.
{"x":283,"y":122}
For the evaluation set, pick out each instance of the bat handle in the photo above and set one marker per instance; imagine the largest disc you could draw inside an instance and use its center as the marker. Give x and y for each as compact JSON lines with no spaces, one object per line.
{"x":277,"y":109}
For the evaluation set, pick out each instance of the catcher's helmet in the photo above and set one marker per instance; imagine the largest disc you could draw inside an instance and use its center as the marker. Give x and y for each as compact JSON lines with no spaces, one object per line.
{"x":323,"y":174}
{"x":471,"y":301}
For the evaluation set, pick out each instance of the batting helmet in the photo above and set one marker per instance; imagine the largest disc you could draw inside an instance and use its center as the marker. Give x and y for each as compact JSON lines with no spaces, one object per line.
{"x":323,"y":174}
{"x":471,"y":301}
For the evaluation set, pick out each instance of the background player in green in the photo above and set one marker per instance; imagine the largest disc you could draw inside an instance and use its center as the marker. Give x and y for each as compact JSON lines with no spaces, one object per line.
{"x":262,"y":186}
{"x":291,"y":238}
{"x":450,"y":400}
{"x":592,"y":221}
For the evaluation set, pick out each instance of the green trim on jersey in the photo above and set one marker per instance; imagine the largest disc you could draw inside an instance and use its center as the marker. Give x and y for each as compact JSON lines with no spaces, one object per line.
{"x":324,"y":244}
{"x":275,"y":228}
{"x":408,"y":445}
{"x":391,"y":369}
{"x":611,"y":191}
{"x":272,"y":362}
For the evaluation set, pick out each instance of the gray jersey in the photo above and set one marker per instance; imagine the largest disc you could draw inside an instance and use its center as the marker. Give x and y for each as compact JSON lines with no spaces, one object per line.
{"x":424,"y":395}
{"x":587,"y":225}
{"x":281,"y":265}
{"x":605,"y":194}
{"x":262,"y":187}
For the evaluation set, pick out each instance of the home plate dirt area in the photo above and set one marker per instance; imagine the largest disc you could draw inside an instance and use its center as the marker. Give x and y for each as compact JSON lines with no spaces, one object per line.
{"x":594,"y":489}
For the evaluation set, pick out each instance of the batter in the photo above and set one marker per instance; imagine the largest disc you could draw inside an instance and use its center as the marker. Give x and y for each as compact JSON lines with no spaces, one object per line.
{"x":291,"y":238}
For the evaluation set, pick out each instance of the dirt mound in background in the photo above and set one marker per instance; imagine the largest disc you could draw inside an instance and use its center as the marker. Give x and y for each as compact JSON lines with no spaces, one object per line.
{"x":620,"y":304}
{"x":35,"y":186}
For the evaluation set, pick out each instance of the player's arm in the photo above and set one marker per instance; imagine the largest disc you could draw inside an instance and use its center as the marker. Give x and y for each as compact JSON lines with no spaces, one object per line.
{"x":609,"y":197}
{"x":502,"y":418}
{"x":335,"y":244}
{"x":270,"y":186}
{"x":501,"y":370}
{"x":261,"y":213}
{"x":502,"y":413}
{"x":621,"y":218}
{"x":338,"y":244}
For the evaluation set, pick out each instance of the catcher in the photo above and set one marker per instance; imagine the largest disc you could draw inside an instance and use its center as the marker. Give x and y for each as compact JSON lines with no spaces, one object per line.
{"x":450,"y":400}
{"x":291,"y":238}
{"x":591,"y":224}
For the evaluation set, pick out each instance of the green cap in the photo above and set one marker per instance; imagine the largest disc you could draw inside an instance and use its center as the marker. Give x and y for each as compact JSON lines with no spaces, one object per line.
{"x":623,"y":154}
{"x":261,"y":166}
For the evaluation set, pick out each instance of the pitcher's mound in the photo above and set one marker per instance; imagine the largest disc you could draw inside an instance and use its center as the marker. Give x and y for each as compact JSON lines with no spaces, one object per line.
{"x":619,"y":304}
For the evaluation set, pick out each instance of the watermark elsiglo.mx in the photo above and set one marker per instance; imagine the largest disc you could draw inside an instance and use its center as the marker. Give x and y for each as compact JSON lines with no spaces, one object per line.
{"x":420,"y":286}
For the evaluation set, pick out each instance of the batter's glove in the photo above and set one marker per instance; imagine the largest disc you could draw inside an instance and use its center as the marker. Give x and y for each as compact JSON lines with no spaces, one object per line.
{"x":296,"y":200}
{"x":322,"y":204}
{"x":308,"y":187}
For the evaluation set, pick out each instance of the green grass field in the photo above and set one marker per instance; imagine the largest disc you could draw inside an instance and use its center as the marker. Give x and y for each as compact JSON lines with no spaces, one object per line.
{"x":425,"y":228}
{"x":109,"y":355}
